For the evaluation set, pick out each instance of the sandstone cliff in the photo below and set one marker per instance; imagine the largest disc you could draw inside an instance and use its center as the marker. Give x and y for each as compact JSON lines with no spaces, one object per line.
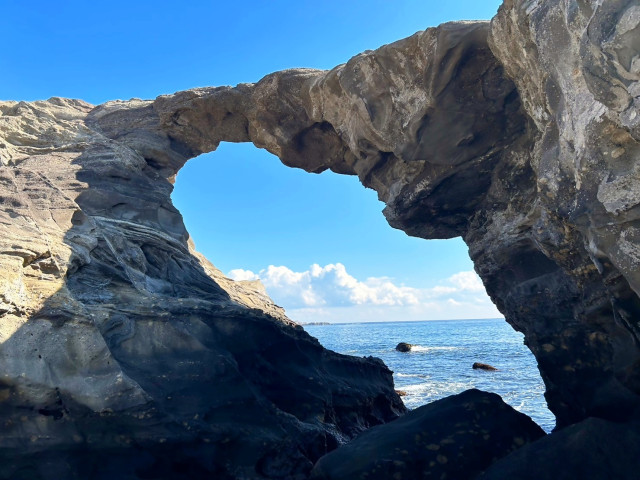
{"x":521,"y":135}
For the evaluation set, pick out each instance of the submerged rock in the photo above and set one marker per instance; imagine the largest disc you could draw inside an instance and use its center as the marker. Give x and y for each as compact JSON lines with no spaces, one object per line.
{"x":456,"y":437}
{"x":404,"y":347}
{"x":483,"y":366}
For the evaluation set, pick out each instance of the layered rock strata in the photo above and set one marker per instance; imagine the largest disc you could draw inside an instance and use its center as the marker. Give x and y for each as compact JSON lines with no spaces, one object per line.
{"x":522,"y":136}
{"x":121,"y":346}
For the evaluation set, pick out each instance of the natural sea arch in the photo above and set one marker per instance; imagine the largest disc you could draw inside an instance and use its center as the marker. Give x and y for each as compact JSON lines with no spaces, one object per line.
{"x":241,"y":203}
{"x":460,"y":135}
{"x":434,"y":125}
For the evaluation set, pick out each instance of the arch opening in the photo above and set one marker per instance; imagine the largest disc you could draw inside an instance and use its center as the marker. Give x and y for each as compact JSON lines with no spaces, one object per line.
{"x":324,"y":252}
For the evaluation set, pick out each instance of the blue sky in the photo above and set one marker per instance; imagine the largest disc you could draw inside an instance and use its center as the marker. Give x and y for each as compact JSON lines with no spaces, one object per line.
{"x":318,"y":242}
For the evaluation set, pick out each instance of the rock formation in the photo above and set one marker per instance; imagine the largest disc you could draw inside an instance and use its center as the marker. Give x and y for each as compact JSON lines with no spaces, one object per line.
{"x":455,"y":437}
{"x":521,"y":135}
{"x":124,"y":353}
{"x":483,"y":366}
{"x":593,"y":449}
{"x":404,"y":347}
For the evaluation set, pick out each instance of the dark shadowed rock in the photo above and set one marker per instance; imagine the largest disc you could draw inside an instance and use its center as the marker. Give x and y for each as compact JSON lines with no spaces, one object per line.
{"x":593,"y":449}
{"x":483,"y":366}
{"x":404,"y":347}
{"x":457,"y":437}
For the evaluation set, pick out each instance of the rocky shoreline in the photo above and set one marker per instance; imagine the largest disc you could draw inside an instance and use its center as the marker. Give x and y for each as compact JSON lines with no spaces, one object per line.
{"x":125,"y":354}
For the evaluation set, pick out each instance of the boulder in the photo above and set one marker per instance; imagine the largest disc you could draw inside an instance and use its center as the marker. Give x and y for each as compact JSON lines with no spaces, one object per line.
{"x":483,"y":366}
{"x":404,"y":347}
{"x":456,"y":437}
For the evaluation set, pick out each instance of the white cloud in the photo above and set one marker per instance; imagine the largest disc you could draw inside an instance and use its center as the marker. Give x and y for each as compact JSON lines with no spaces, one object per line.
{"x":330,"y":293}
{"x":441,"y":290}
{"x":239,"y":274}
{"x":467,"y":281}
{"x":330,"y":285}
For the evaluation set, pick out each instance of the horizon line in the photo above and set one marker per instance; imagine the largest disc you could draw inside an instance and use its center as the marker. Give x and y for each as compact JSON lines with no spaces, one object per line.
{"x":319,"y":323}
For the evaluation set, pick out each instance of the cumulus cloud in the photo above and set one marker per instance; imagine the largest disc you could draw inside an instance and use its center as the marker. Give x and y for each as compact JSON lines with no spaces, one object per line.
{"x":330,"y":285}
{"x":330,"y":293}
{"x":239,"y":275}
{"x":467,"y":281}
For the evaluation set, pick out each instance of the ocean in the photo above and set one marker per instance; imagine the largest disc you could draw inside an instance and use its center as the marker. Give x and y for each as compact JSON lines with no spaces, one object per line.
{"x":440,"y":362}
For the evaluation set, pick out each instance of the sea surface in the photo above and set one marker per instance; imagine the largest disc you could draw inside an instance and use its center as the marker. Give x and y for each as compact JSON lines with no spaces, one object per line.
{"x":440,"y":362}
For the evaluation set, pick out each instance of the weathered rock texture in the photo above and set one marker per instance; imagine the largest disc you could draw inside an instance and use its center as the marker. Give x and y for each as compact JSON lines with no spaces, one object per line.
{"x":455,"y":437}
{"x":566,"y":270}
{"x":121,"y":346}
{"x":522,"y":136}
{"x":593,"y":449}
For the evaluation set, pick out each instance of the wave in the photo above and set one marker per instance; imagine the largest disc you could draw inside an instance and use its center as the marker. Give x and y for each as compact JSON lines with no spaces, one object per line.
{"x":414,"y":375}
{"x":428,"y":390}
{"x":422,"y":348}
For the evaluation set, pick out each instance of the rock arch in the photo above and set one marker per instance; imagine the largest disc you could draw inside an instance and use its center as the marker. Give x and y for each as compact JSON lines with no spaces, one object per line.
{"x":526,"y":148}
{"x":435,"y":125}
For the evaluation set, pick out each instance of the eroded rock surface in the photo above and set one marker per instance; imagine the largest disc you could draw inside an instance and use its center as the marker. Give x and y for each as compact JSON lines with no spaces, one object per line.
{"x":121,"y":346}
{"x":566,"y":269}
{"x":522,"y":136}
{"x":539,"y":177}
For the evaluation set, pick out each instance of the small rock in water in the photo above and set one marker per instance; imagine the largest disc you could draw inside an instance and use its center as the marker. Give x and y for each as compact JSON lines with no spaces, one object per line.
{"x":404,"y":347}
{"x":401,"y":393}
{"x":483,"y":366}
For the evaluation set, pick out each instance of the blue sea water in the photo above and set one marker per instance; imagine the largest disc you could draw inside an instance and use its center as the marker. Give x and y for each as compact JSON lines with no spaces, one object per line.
{"x":440,"y":362}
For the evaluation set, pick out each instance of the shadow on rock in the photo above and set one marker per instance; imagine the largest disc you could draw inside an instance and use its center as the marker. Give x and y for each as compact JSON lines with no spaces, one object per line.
{"x":456,"y":437}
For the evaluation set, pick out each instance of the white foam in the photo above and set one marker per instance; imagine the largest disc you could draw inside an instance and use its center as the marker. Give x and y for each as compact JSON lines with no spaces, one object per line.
{"x":407,"y":375}
{"x":421,"y":348}
{"x":432,"y":389}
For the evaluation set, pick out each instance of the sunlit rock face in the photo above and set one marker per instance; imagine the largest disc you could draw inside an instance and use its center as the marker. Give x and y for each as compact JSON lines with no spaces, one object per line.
{"x":520,"y":135}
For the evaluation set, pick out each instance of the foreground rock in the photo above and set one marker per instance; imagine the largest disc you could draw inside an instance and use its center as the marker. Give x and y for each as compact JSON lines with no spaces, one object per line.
{"x":593,"y":449}
{"x":456,"y":437}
